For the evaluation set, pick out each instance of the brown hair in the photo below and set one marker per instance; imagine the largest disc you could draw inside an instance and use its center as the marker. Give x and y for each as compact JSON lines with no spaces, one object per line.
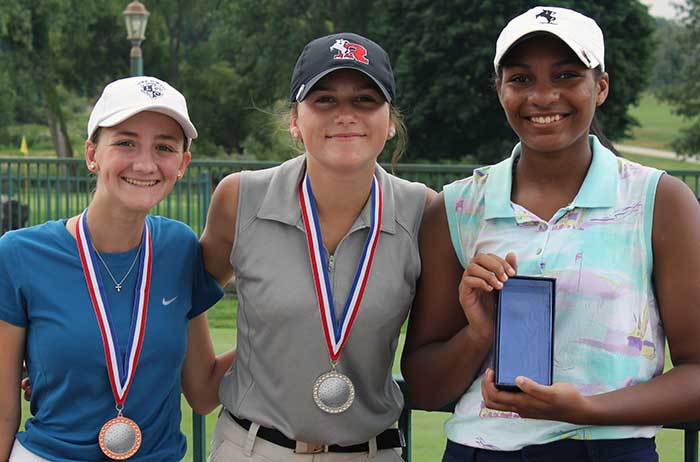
{"x":401,"y":136}
{"x":595,"y":127}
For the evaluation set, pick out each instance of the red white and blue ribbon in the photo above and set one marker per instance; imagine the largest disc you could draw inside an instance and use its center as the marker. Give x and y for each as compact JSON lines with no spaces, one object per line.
{"x":337,"y":331}
{"x":121,"y":368}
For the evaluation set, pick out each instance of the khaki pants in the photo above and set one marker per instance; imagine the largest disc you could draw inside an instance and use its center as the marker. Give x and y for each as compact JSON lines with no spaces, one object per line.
{"x":233,"y":443}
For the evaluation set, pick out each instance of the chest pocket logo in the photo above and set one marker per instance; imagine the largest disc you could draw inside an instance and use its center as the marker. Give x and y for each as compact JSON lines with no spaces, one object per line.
{"x":168,"y":302}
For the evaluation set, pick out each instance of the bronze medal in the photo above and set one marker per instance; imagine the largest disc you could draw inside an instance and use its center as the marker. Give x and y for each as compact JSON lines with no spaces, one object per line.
{"x":120,"y":438}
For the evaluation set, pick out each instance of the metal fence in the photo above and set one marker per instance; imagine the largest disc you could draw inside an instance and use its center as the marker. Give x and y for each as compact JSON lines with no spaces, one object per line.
{"x":34,"y":190}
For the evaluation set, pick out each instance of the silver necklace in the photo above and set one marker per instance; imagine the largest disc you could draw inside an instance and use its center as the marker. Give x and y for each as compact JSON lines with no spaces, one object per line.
{"x":118,"y":285}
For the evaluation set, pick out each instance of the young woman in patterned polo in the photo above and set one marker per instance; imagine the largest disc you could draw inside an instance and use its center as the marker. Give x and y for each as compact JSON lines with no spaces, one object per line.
{"x":621,"y":241}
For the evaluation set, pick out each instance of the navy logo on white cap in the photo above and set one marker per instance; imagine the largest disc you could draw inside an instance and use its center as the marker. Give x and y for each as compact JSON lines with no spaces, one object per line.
{"x":348,"y":50}
{"x":151,"y":88}
{"x":547,"y":15}
{"x":588,"y":59}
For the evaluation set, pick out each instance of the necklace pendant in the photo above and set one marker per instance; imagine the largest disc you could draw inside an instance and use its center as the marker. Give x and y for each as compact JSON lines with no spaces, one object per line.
{"x":118,"y":287}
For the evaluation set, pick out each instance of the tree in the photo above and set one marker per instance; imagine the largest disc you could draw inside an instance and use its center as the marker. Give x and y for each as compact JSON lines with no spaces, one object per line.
{"x":443,"y":53}
{"x":684,"y":94}
{"x":249,"y":54}
{"x":7,"y":103}
{"x":233,"y":60}
{"x":45,"y":44}
{"x":180,"y":26}
{"x":668,"y":59}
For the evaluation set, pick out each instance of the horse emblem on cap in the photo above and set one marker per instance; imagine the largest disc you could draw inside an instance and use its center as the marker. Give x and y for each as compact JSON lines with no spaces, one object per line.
{"x":349,"y":50}
{"x":547,"y":15}
{"x":151,"y":88}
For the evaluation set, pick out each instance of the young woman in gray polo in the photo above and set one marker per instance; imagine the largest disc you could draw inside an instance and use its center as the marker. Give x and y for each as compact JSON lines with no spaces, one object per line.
{"x":325,"y":252}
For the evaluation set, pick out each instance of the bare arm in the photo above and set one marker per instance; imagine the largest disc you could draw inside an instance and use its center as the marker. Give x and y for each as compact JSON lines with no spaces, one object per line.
{"x":440,"y":342}
{"x":12,"y":339}
{"x":203,"y":369}
{"x":671,"y":397}
{"x":675,"y":395}
{"x":219,"y":232}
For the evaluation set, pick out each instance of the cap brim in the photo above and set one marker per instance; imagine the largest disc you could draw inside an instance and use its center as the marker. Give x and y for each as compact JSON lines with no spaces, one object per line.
{"x":589,"y":61}
{"x":306,"y":88}
{"x":121,"y":116}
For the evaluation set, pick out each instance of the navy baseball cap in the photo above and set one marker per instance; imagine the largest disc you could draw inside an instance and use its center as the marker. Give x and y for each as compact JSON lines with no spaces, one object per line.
{"x":341,"y":51}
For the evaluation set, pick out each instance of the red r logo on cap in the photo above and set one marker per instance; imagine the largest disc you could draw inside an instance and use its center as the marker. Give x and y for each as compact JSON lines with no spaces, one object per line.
{"x":349,"y":50}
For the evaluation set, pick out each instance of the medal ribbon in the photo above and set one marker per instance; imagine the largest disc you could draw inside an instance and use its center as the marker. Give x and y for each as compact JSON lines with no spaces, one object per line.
{"x":121,"y":369}
{"x":336,"y":332}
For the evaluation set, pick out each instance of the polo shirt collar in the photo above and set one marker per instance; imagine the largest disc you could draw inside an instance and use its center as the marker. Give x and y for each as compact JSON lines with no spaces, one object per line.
{"x":281,"y":201}
{"x":499,"y":184}
{"x":599,"y":188}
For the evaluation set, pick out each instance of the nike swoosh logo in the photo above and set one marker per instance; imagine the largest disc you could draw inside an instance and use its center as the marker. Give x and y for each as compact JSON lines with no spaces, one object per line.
{"x":168,"y":302}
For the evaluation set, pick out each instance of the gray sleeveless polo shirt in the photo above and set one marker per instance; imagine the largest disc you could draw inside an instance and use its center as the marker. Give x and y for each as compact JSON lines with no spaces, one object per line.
{"x":281,"y":346}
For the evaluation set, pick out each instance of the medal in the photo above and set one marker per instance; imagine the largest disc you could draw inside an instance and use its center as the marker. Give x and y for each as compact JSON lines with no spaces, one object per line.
{"x":120,"y":437}
{"x":333,"y":391}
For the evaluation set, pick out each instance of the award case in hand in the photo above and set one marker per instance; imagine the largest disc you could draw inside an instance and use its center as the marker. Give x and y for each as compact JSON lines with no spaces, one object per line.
{"x":524,"y":337}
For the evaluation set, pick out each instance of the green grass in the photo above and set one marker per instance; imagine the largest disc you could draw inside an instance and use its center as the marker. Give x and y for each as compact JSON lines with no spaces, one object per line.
{"x":224,"y":339}
{"x":658,"y":124}
{"x":42,"y":152}
{"x":691,"y":178}
{"x":223,"y":314}
{"x":662,"y":163}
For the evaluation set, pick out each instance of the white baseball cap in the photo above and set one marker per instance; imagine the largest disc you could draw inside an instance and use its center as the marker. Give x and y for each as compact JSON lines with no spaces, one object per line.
{"x":125,"y":98}
{"x":581,"y":33}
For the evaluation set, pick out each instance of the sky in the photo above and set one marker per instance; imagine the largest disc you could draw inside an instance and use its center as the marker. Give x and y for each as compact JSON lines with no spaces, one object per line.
{"x":663,"y":8}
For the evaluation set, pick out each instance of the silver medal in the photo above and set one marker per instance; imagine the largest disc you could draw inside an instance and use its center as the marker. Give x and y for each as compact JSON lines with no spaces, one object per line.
{"x":120,"y":438}
{"x":333,"y":392}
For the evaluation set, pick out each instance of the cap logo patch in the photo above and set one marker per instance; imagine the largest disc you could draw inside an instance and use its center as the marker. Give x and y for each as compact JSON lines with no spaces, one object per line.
{"x":348,"y":50}
{"x":547,"y":15}
{"x":585,"y":55}
{"x":151,"y":88}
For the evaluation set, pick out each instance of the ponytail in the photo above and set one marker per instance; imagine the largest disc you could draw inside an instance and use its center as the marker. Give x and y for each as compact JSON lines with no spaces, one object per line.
{"x":598,"y":132}
{"x":595,"y":127}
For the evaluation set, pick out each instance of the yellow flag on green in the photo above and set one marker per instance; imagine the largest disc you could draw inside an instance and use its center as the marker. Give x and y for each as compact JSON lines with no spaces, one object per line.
{"x":23,"y":146}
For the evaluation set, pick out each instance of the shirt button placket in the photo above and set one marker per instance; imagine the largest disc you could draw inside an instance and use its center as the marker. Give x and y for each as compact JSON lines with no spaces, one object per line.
{"x":544,"y":228}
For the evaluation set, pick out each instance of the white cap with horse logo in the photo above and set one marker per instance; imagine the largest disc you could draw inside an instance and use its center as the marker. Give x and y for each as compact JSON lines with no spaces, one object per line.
{"x":581,"y":33}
